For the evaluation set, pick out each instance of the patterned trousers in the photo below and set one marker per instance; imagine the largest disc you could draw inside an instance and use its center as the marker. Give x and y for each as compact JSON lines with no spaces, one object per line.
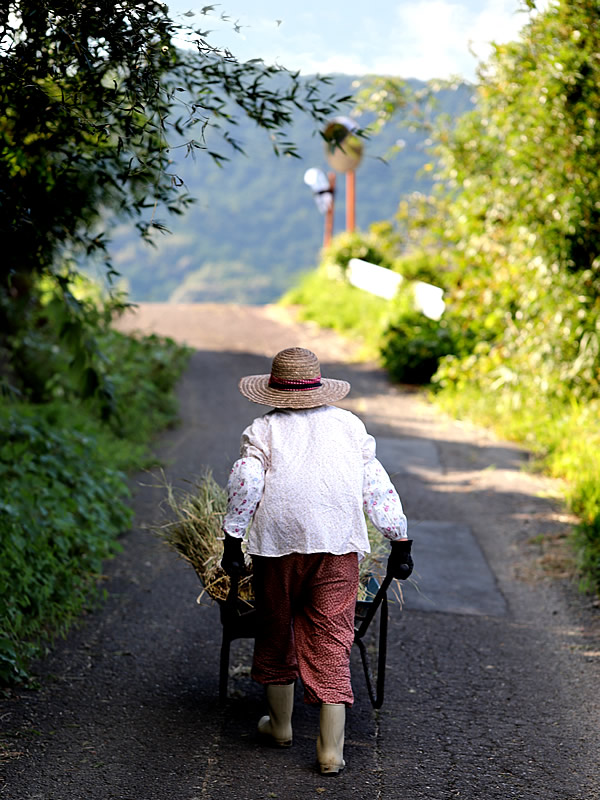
{"x":306,"y":606}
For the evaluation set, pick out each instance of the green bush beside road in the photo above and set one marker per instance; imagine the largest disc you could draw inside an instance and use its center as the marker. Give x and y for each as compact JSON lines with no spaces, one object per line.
{"x":470,"y":376}
{"x":64,"y":476}
{"x":511,"y":232}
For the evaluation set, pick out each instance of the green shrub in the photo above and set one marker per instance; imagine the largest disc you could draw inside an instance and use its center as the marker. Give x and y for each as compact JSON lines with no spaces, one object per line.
{"x":143,"y":373}
{"x":62,"y":511}
{"x":366,"y":246}
{"x":421,"y":266}
{"x":587,"y":544}
{"x":62,"y":468}
{"x":412,"y":345}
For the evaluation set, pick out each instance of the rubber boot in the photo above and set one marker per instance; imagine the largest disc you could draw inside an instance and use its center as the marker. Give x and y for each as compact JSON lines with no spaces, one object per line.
{"x":330,"y":744}
{"x":277,"y":725}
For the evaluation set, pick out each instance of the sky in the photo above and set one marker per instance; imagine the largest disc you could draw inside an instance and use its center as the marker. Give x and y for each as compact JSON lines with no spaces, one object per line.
{"x":407,"y":38}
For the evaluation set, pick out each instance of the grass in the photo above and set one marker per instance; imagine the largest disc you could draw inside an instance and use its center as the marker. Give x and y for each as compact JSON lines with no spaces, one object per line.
{"x":336,"y":304}
{"x":564,"y":437}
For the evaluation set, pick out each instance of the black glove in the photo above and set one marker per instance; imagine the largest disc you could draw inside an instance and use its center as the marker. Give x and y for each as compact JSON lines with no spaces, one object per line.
{"x":233,"y":558}
{"x":400,"y":564}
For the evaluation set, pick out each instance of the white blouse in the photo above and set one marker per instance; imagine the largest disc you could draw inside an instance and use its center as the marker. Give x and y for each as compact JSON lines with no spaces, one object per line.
{"x":302,"y":482}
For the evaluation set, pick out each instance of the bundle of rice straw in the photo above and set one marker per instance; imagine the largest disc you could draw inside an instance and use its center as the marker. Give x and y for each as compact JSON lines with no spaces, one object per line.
{"x":196,"y":535}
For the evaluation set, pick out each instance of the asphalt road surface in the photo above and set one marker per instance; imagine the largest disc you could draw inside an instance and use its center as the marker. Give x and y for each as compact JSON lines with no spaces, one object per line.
{"x":492,"y":673}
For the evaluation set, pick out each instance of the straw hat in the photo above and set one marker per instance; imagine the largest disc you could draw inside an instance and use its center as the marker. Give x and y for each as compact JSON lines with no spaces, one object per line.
{"x":295,"y":382}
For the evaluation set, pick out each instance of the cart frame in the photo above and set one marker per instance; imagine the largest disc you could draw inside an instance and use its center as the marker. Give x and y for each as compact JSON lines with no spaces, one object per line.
{"x":240,"y":621}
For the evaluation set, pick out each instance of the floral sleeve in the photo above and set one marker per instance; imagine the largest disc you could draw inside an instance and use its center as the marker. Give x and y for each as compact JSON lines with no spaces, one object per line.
{"x":382,"y":503}
{"x":244,"y":492}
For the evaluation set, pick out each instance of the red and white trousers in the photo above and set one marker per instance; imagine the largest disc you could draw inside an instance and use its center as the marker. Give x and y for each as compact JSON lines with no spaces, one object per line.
{"x":306,"y":606}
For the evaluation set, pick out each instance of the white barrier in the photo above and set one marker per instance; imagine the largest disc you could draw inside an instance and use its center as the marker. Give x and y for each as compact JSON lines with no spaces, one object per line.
{"x":384,"y":283}
{"x":429,"y":299}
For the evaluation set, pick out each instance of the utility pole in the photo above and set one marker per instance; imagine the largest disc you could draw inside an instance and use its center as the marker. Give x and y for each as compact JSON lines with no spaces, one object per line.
{"x":329,"y":215}
{"x":350,"y":201}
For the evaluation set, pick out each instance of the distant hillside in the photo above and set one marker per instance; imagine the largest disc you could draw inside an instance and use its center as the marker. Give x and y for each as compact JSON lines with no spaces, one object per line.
{"x":255,"y":225}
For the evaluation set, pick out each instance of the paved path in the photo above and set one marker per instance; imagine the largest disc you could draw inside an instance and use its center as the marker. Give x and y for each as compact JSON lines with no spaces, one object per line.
{"x":492,"y":682}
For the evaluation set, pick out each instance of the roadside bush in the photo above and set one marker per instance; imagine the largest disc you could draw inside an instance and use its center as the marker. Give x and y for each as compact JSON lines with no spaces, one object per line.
{"x":369,"y":247}
{"x":421,"y":266}
{"x":587,"y":543}
{"x":63,"y":472}
{"x":62,"y":510}
{"x":143,"y":374}
{"x":412,"y":346}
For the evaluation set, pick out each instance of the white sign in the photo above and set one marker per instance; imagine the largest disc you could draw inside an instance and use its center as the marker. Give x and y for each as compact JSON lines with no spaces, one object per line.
{"x":384,"y":283}
{"x":429,"y":299}
{"x":377,"y":280}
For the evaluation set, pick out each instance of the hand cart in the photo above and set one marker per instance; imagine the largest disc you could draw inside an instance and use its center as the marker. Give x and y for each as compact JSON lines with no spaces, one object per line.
{"x":240,"y":621}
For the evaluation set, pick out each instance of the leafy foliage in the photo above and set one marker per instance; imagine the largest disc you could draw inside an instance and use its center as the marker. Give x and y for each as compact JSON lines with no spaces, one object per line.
{"x":366,"y":246}
{"x":412,"y":345}
{"x":94,"y":101}
{"x":58,"y":521}
{"x":524,"y":226}
{"x":514,"y":226}
{"x":63,"y":475}
{"x":90,"y":100}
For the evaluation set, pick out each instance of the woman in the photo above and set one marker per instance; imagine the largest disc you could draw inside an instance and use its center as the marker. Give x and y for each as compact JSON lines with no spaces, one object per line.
{"x":306,"y":472}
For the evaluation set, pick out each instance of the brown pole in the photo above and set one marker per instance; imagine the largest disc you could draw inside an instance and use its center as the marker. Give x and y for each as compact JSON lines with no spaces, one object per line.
{"x":350,"y":201}
{"x":328,"y":234}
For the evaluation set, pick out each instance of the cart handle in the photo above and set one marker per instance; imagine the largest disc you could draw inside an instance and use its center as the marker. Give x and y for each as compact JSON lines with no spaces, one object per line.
{"x":375,"y":696}
{"x":232,"y":595}
{"x":377,"y":600}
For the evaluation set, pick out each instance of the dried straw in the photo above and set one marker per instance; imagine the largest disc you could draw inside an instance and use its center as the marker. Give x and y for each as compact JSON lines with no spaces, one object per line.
{"x":196,"y":536}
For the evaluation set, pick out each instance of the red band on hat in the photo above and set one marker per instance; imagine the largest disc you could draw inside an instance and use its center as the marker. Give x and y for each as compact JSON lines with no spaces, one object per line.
{"x":295,"y":386}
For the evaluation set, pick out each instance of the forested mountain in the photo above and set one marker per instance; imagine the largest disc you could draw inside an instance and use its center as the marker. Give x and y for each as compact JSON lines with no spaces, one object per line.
{"x":255,"y":225}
